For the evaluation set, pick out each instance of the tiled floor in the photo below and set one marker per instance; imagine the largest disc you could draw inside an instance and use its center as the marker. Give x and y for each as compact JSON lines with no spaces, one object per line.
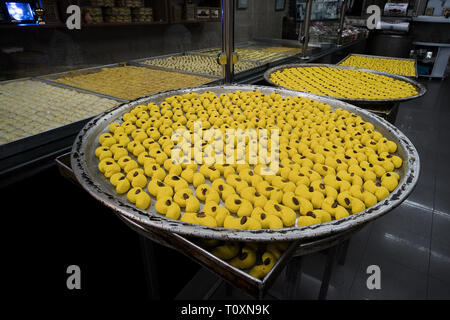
{"x":411,"y":244}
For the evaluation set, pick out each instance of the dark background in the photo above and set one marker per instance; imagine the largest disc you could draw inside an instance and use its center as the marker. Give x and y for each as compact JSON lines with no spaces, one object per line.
{"x":49,"y":224}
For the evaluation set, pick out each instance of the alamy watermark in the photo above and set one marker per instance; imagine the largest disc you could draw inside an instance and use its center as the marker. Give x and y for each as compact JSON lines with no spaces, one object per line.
{"x":249,"y":146}
{"x":74,"y":20}
{"x":74,"y":279}
{"x":374,"y":20}
{"x":374,"y":280}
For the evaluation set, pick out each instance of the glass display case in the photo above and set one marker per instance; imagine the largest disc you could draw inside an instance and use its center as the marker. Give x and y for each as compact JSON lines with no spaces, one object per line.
{"x":321,"y":10}
{"x":324,"y":27}
{"x":54,"y":78}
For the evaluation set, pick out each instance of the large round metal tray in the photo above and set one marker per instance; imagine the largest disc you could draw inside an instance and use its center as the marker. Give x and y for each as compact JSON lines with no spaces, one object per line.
{"x":84,"y":164}
{"x":421,"y":90}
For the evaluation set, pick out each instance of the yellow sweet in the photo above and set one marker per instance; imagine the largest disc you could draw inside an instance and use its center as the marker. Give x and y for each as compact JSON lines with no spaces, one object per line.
{"x":245,"y":208}
{"x":259,"y":200}
{"x":218,"y":212}
{"x":162,"y":204}
{"x":381,"y":192}
{"x":176,"y":170}
{"x":202,"y":191}
{"x":290,"y":200}
{"x":308,"y":220}
{"x":192,"y":204}
{"x":173,"y":211}
{"x":106,"y":153}
{"x":245,"y":259}
{"x":241,"y":223}
{"x":315,"y":197}
{"x":139,"y":180}
{"x":390,"y":181}
{"x":154,"y":171}
{"x":248,"y":193}
{"x":176,"y":182}
{"x":267,"y":221}
{"x":122,"y":186}
{"x":130,"y":165}
{"x":212,"y":196}
{"x":288,"y":216}
{"x":252,"y":54}
{"x":260,"y":271}
{"x":233,"y":202}
{"x":199,"y":218}
{"x":157,"y":188}
{"x":100,"y":150}
{"x":116,"y":177}
{"x":181,"y":196}
{"x":123,"y":161}
{"x":110,"y":168}
{"x":187,"y":175}
{"x":132,"y":193}
{"x":323,"y":215}
{"x":227,"y":251}
{"x":142,"y":200}
{"x":197,"y":179}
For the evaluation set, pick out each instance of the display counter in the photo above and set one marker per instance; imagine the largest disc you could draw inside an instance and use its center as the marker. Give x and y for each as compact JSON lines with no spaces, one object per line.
{"x":60,"y":104}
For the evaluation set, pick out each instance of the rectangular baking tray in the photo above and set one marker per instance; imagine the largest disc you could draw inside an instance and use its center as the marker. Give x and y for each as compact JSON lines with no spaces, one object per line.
{"x":259,"y":68}
{"x":383,"y":57}
{"x":51,"y":79}
{"x":269,"y":42}
{"x":214,"y":79}
{"x":140,"y":63}
{"x":243,"y":45}
{"x":17,"y":153}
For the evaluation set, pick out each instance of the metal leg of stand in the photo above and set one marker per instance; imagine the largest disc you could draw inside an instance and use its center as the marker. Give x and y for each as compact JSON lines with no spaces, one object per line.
{"x":392,"y":116}
{"x":148,"y":255}
{"x":331,"y":257}
{"x":293,"y":277}
{"x":343,"y":251}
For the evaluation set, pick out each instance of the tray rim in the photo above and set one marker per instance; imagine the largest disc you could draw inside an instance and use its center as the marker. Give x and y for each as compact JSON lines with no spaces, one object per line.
{"x":421,"y":87}
{"x":405,"y":187}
